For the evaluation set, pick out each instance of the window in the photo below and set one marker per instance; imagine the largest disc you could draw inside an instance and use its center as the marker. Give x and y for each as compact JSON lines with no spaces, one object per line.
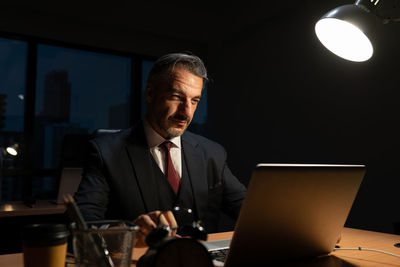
{"x":146,"y":67}
{"x":77,"y":92}
{"x":13,"y":62}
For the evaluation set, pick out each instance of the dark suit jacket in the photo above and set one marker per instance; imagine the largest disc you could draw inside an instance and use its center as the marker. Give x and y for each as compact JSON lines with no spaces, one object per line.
{"x":118,"y":181}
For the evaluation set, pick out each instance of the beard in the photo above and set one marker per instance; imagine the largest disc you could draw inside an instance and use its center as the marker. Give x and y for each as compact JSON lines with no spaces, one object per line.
{"x":172,"y":131}
{"x":175,"y":133}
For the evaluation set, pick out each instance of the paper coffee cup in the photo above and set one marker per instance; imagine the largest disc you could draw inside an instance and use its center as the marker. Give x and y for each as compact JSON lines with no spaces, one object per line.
{"x":44,"y":245}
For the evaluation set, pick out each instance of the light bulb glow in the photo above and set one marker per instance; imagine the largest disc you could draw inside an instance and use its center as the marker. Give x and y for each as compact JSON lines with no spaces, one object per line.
{"x":12,"y":151}
{"x":344,"y":39}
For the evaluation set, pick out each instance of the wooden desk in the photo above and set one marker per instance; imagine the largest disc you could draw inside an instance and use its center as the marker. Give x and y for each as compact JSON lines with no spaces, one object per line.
{"x":350,"y":238}
{"x":14,"y":215}
{"x":367,"y":239}
{"x":42,"y":207}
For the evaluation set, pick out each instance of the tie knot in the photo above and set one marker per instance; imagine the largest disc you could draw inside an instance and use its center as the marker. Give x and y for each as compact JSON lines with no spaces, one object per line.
{"x":166,"y":145}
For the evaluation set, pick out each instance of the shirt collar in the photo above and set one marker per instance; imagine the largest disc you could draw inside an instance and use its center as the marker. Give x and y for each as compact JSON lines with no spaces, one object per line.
{"x":154,"y":139}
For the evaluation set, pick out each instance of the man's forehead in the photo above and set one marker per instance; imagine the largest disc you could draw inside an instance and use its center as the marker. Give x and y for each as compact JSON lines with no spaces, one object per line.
{"x":172,"y":80}
{"x":186,"y":78}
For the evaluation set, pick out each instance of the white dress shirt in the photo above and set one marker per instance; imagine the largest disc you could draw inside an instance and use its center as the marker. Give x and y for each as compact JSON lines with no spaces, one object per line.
{"x":154,"y":140}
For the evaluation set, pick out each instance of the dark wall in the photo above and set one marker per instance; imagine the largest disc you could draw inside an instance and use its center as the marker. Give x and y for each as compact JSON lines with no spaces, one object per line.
{"x":149,"y":28}
{"x":281,"y":97}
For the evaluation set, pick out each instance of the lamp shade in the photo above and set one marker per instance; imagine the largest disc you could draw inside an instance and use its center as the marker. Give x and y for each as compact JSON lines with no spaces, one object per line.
{"x":347,"y":31}
{"x":12,"y":150}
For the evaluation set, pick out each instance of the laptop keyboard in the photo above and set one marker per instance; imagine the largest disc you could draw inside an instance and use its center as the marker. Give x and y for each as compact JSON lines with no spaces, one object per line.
{"x":218,"y":256}
{"x":218,"y":250}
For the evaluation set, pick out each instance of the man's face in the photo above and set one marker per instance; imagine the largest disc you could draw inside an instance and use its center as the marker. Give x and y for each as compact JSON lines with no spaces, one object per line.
{"x":173,"y":103}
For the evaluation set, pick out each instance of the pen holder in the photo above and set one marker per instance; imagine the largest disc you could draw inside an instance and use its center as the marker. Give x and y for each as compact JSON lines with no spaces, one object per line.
{"x":104,"y":243}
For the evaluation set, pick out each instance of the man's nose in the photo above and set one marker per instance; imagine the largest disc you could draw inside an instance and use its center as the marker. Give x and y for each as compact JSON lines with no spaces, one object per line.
{"x":186,"y":108}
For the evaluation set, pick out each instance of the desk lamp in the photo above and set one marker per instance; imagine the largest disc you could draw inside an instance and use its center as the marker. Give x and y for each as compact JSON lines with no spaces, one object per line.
{"x":12,"y":150}
{"x":348,"y":31}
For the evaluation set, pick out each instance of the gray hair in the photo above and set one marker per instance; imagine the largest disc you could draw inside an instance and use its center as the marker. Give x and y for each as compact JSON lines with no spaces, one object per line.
{"x":166,"y":64}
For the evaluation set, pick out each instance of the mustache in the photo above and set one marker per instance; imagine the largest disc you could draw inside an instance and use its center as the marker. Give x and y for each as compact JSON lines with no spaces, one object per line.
{"x":180,"y":118}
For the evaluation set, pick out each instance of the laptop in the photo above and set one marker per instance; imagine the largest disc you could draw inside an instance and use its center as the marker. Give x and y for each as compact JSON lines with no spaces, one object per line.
{"x":69,"y":182}
{"x":291,"y":212}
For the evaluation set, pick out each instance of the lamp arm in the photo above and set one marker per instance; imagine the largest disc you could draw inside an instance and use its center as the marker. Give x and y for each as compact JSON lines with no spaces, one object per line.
{"x":372,"y":6}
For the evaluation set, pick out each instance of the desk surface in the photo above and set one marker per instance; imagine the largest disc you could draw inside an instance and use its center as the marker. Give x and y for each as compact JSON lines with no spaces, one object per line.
{"x":350,"y":238}
{"x":41,"y":207}
{"x":367,"y":239}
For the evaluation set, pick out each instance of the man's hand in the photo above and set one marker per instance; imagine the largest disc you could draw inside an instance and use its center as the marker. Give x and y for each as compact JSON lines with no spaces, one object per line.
{"x":147,"y":222}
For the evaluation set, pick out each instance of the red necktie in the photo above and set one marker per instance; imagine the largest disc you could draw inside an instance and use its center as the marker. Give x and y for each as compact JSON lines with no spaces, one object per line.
{"x":170,"y":172}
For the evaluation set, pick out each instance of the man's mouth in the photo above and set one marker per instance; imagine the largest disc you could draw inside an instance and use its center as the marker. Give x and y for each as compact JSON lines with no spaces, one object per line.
{"x":180,"y":120}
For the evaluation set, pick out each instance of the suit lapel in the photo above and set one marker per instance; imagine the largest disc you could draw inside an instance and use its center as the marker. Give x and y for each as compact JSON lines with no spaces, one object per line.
{"x":140,"y":156}
{"x":197,"y":173}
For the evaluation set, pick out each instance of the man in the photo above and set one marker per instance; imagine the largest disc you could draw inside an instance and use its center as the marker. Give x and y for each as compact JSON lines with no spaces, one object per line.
{"x":134,"y":175}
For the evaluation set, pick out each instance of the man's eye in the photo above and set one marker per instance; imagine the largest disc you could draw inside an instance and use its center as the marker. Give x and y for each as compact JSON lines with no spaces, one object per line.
{"x":195,"y":101}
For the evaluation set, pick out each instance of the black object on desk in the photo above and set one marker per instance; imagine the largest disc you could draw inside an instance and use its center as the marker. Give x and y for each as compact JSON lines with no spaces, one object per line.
{"x":171,"y":251}
{"x":30,"y":202}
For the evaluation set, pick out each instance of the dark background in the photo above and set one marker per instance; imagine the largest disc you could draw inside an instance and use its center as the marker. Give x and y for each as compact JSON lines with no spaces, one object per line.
{"x":277,"y":95}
